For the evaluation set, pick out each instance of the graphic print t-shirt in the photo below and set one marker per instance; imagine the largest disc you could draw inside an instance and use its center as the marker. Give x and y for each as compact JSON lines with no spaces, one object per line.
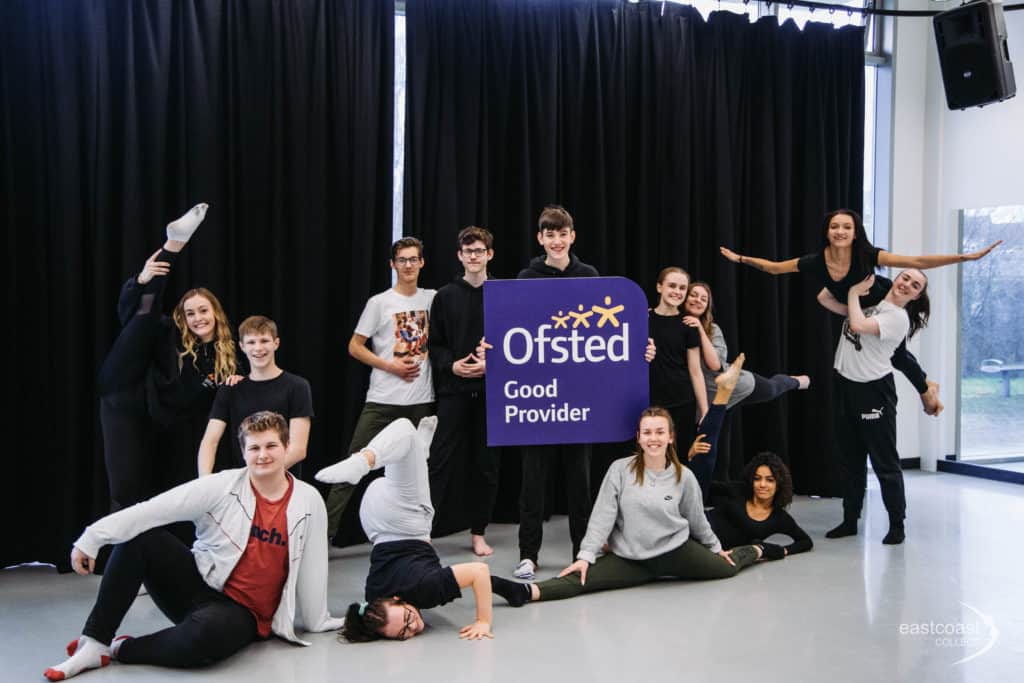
{"x":258,"y":579}
{"x":865,"y":357}
{"x":398,"y":328}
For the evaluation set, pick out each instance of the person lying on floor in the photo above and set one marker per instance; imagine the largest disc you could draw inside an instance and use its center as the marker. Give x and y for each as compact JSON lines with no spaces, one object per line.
{"x":260,"y":554}
{"x":760,"y":510}
{"x":406,"y":575}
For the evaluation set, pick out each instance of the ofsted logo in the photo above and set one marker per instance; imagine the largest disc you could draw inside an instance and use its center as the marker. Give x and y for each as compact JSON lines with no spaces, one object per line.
{"x":519,"y":345}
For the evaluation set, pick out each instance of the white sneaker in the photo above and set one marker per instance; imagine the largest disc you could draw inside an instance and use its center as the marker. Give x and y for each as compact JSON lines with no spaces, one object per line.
{"x":525,"y":570}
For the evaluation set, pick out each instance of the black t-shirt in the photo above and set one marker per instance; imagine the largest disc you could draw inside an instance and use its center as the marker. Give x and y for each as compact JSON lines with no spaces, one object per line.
{"x":412,"y":571}
{"x":734,"y":527}
{"x":815,"y":266}
{"x":286,"y":394}
{"x":670,"y":376}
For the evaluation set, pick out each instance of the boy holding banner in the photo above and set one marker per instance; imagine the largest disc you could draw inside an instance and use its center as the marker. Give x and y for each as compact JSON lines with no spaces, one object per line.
{"x":555,"y":232}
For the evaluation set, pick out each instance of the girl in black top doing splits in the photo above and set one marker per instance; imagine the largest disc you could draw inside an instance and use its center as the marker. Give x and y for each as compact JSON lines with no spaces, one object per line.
{"x":767,"y":491}
{"x":847,"y":258}
{"x":160,"y":371}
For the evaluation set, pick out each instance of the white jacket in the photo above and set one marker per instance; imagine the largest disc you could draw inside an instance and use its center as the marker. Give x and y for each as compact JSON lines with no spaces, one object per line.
{"x":222,"y":507}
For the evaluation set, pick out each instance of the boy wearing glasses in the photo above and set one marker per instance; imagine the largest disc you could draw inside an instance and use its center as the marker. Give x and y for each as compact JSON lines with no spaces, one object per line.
{"x":396,"y":322}
{"x":457,"y":328}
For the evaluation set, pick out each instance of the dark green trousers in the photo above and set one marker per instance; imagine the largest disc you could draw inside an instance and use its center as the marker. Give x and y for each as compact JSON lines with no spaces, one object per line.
{"x":375,"y":417}
{"x":691,"y":560}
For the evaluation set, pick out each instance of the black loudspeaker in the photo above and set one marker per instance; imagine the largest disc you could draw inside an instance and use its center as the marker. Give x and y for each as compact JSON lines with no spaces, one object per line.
{"x":973,"y":55}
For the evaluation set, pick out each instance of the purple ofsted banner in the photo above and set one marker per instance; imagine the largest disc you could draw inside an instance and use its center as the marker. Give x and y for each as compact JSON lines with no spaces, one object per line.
{"x":568,"y":360}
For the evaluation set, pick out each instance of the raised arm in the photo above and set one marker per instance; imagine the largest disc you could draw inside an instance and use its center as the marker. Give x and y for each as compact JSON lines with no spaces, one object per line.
{"x":888,"y":260}
{"x":860,"y":323}
{"x":477,"y":576}
{"x":770,"y":267}
{"x":828,"y":301}
{"x":708,"y":352}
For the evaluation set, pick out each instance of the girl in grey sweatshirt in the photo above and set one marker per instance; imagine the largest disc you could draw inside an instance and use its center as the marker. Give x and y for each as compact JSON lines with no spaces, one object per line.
{"x":651,"y":515}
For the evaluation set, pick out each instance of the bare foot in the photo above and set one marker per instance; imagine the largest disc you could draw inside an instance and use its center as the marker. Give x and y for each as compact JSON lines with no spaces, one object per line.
{"x":804,"y":381}
{"x":930,"y":399}
{"x":727,"y":380}
{"x":480,"y":547}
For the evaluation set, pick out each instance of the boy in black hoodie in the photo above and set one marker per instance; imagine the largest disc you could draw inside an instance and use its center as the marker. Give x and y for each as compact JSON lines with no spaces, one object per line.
{"x":555,"y":232}
{"x":456,"y":329}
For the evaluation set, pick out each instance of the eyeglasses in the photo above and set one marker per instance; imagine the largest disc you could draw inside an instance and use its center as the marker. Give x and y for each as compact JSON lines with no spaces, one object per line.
{"x":474,"y":252}
{"x":407,"y":260}
{"x":406,"y":624}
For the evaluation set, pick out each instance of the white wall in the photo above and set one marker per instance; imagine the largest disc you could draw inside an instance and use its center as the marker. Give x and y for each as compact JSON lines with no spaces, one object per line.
{"x":944,"y":161}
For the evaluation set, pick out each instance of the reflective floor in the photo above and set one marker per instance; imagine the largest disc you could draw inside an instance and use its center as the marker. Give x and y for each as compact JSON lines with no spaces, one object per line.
{"x":946,"y":606}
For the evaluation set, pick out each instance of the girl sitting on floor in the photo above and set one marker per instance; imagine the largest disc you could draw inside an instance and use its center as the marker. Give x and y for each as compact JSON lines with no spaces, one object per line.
{"x":651,"y":515}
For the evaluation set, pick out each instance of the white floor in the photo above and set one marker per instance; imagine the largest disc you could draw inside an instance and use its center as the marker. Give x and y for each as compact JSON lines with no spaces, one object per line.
{"x":850,"y":610}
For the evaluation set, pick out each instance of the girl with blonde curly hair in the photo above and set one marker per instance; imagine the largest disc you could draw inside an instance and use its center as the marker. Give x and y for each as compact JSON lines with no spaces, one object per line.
{"x":160,"y":371}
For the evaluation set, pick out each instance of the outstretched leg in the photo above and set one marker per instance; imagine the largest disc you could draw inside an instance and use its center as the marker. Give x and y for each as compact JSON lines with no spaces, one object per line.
{"x":770,"y":388}
{"x":393,"y":443}
{"x":397,"y":506}
{"x":704,"y":450}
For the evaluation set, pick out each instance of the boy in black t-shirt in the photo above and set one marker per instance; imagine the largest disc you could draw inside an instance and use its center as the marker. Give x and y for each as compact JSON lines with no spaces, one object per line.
{"x":267,"y":387}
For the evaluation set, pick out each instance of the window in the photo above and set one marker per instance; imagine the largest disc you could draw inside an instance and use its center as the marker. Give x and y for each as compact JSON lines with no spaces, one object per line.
{"x":399,"y":159}
{"x":991,"y":421}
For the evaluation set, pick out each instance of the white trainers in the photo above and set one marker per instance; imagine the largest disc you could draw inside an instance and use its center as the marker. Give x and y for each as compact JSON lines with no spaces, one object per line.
{"x":526,"y":570}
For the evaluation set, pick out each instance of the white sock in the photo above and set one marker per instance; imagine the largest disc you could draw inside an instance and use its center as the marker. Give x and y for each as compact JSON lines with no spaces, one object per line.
{"x":392,"y":443}
{"x":426,"y":429}
{"x":348,"y":471}
{"x":181,"y":230}
{"x":89,"y":654}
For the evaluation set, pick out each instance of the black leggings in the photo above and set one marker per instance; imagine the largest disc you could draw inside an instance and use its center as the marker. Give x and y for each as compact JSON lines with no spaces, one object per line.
{"x":461,"y":443}
{"x":129,"y":433}
{"x":769,"y":388}
{"x":208,"y":625}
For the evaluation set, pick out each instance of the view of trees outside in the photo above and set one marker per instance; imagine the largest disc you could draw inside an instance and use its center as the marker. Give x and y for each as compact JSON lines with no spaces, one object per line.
{"x":991,"y":334}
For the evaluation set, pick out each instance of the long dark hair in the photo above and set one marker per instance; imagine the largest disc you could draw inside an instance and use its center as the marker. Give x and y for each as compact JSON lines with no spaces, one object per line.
{"x":783,"y":480}
{"x":919,"y":309}
{"x":861,"y":258}
{"x":364,"y":621}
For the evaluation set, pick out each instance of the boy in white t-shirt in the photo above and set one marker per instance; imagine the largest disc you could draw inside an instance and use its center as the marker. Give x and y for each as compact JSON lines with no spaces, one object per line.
{"x":864,"y":397}
{"x":396,"y":322}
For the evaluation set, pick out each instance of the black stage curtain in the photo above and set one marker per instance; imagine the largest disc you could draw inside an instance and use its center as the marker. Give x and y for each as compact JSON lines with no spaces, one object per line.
{"x":115,"y":117}
{"x":665,"y":136}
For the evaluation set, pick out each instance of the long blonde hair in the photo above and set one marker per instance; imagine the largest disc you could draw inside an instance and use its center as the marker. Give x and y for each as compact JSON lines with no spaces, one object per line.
{"x":224,"y":364}
{"x":636,"y":465}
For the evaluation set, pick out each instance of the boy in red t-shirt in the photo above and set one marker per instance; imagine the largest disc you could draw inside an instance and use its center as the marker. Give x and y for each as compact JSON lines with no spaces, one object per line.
{"x":260,"y":554}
